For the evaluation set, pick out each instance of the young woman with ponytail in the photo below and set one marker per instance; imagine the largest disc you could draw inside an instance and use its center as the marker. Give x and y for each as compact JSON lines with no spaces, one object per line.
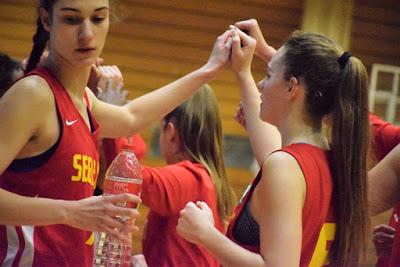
{"x":191,"y":143}
{"x":308,"y":204}
{"x":49,"y":127}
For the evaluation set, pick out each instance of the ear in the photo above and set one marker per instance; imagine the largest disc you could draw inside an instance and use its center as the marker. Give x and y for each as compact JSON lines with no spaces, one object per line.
{"x":171,"y":132}
{"x":45,"y":19}
{"x":293,"y":87}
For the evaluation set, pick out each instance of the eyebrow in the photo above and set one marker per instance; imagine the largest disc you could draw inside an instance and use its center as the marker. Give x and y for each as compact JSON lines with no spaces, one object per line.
{"x":77,"y":10}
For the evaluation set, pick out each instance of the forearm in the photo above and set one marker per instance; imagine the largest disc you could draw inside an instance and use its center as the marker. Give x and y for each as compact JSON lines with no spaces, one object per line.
{"x":264,"y":137}
{"x":383,"y":183}
{"x":154,"y":105}
{"x":377,"y":204}
{"x":228,"y":253}
{"x":20,"y":210}
{"x":382,"y":190}
{"x":266,"y":53}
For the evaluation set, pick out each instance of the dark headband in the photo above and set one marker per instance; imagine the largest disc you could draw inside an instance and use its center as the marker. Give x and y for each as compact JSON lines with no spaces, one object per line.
{"x":343,"y":59}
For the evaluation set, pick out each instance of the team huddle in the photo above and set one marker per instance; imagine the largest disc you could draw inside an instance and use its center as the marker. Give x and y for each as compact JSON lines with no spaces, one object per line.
{"x":64,"y":118}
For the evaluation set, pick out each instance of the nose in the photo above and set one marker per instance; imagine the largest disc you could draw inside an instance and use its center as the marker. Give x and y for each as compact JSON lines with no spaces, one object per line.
{"x":86,"y":32}
{"x":260,"y":86}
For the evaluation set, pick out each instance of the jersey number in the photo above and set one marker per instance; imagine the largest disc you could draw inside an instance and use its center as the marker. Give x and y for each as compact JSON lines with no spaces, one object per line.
{"x":320,"y":256}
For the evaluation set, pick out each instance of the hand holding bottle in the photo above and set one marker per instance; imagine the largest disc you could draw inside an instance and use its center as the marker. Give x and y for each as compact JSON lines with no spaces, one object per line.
{"x":100,"y":213}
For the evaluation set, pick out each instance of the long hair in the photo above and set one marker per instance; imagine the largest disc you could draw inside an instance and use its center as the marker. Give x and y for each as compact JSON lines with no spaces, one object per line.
{"x":336,"y":85}
{"x":41,"y":36}
{"x":199,"y":125}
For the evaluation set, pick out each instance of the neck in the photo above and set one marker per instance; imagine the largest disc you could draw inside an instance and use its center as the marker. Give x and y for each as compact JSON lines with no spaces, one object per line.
{"x":178,"y":157}
{"x":300,"y":130}
{"x":73,"y":79}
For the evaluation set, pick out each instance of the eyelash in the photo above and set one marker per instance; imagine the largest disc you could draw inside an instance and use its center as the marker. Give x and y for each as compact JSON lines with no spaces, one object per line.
{"x":78,"y":20}
{"x":98,"y":19}
{"x":72,"y":20}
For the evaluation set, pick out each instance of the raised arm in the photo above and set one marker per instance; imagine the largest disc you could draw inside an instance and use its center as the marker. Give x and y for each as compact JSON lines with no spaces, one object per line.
{"x":264,"y":137}
{"x":251,"y":28}
{"x":384,"y":183}
{"x":140,"y":112}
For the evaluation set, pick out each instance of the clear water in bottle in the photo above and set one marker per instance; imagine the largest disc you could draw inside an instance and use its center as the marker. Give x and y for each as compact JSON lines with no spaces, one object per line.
{"x":123,"y":175}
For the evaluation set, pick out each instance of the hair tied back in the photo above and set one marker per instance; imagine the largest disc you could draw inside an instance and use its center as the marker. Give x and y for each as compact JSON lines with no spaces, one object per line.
{"x":343,"y":59}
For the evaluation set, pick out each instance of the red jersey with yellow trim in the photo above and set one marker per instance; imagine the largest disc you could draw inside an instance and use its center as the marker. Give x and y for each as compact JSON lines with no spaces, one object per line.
{"x":70,"y":173}
{"x":385,"y":137}
{"x":166,"y":191}
{"x":318,"y":219}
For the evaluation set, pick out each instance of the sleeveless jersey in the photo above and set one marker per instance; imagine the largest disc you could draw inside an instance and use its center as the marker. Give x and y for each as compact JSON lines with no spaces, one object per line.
{"x":318,"y":219}
{"x":70,"y":174}
{"x":385,"y":137}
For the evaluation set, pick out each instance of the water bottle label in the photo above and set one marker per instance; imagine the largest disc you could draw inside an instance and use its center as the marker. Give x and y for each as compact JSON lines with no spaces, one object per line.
{"x":118,"y":185}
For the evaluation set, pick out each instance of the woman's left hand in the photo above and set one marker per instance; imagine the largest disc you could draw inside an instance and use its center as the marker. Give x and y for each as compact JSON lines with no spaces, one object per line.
{"x":195,"y":222}
{"x":220,"y":53}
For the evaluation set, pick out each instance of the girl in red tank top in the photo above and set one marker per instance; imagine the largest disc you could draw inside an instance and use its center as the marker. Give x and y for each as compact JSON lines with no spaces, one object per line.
{"x":384,"y":190}
{"x":297,"y":211}
{"x":49,"y":131}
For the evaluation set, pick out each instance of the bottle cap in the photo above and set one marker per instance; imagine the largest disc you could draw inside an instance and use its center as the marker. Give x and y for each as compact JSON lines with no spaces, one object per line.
{"x":130,"y":147}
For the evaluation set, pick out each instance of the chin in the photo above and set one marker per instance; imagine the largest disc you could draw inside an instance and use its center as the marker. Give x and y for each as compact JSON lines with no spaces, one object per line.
{"x":87,"y":62}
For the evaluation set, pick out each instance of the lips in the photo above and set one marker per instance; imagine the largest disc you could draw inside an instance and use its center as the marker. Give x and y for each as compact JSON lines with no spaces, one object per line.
{"x":85,"y":50}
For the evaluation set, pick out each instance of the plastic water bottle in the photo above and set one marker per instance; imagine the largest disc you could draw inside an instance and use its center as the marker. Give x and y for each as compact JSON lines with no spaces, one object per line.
{"x":123,"y":176}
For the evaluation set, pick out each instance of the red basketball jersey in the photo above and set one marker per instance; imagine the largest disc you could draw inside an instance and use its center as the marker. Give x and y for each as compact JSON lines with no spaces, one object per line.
{"x":318,"y":220}
{"x":166,"y":191}
{"x":385,"y":137}
{"x":70,"y":173}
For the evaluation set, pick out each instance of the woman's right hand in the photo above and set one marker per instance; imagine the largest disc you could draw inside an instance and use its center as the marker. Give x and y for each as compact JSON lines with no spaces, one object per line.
{"x":109,"y":86}
{"x":220,"y":53}
{"x":383,"y":240}
{"x":251,"y":27}
{"x":242,"y":52}
{"x":99,"y":213}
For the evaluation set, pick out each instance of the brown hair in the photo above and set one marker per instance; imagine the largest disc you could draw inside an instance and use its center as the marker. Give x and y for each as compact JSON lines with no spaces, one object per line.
{"x":199,"y":125}
{"x":41,"y":36}
{"x":336,"y":85}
